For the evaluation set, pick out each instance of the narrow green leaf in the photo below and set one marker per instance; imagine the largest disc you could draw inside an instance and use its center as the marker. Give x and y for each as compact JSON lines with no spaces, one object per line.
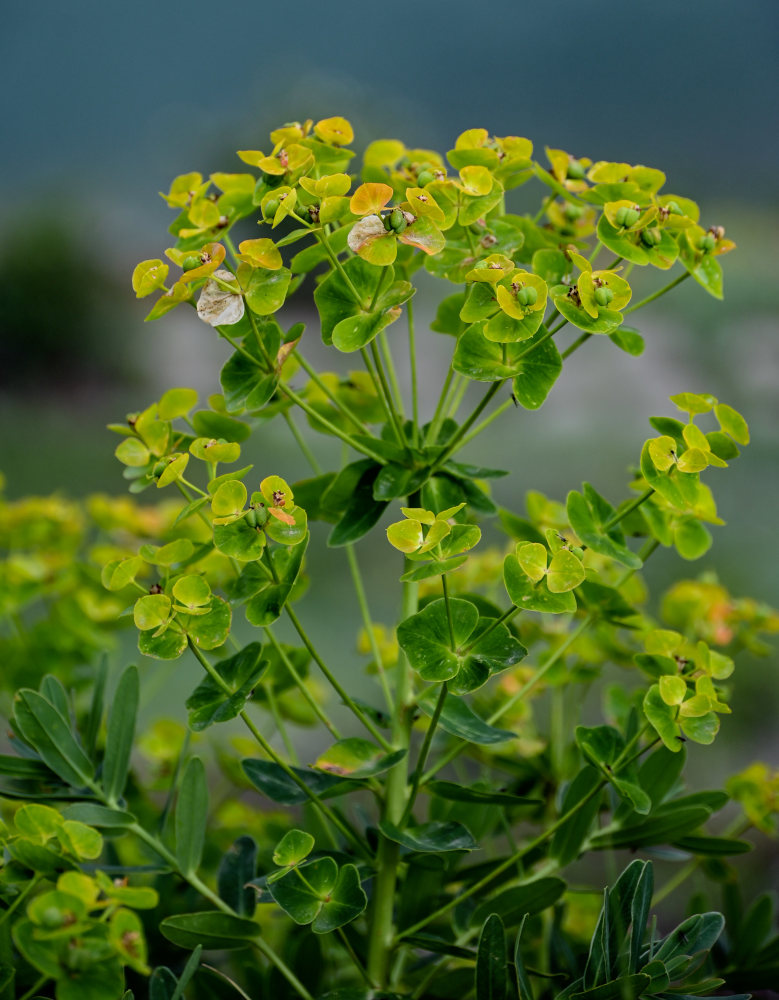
{"x":492,"y":961}
{"x":120,"y":734}
{"x":191,"y":816}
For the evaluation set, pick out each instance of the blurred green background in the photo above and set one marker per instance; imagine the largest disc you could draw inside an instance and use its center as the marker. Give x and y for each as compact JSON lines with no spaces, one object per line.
{"x":105,"y":103}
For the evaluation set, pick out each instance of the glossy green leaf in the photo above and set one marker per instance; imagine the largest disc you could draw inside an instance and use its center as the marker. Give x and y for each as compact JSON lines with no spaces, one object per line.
{"x":534,"y":597}
{"x":453,"y":792}
{"x":266,"y":606}
{"x":461,"y":721}
{"x":120,"y":733}
{"x":325,"y":897}
{"x":211,"y":930}
{"x":274,"y":782}
{"x":293,"y":847}
{"x":357,"y":758}
{"x":42,"y":726}
{"x":570,"y":836}
{"x":430,"y":838}
{"x":426,"y":640}
{"x":655,"y":829}
{"x":588,"y":514}
{"x":492,"y":961}
{"x":362,"y":511}
{"x":236,"y":869}
{"x":191,"y":816}
{"x":209,"y":703}
{"x":266,"y":290}
{"x":512,"y":904}
{"x":209,"y":630}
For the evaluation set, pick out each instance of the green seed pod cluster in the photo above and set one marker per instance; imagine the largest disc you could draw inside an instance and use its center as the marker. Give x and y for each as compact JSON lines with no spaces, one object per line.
{"x":425,"y":177}
{"x":707,"y":243}
{"x":603,"y":295}
{"x":627,"y":216}
{"x":527,"y":296}
{"x":251,"y":518}
{"x":190,"y":263}
{"x":650,"y":237}
{"x":575,"y":170}
{"x":396,"y":221}
{"x":271,"y":207}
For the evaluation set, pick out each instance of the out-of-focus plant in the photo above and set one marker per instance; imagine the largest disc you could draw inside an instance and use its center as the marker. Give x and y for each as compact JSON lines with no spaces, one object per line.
{"x":449,"y":807}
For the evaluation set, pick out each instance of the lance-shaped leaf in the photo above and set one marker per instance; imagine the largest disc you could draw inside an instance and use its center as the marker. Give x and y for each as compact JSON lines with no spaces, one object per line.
{"x":209,"y":703}
{"x":357,"y":758}
{"x":274,"y":781}
{"x":40,"y":725}
{"x":512,"y":904}
{"x":466,"y":664}
{"x":361,"y":510}
{"x":266,"y":606}
{"x":588,"y":514}
{"x":430,"y":838}
{"x":459,"y":719}
{"x":191,"y":816}
{"x":321,"y":894}
{"x":210,"y":929}
{"x":603,"y":746}
{"x":492,"y":961}
{"x":236,"y":869}
{"x":119,"y":735}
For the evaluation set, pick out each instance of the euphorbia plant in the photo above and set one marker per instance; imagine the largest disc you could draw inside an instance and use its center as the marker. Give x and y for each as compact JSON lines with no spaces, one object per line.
{"x":445,"y":812}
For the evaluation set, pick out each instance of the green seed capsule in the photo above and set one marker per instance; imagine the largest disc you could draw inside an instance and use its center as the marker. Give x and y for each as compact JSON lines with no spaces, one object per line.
{"x":190,"y":263}
{"x":650,"y":237}
{"x":397,"y":220}
{"x":387,"y":223}
{"x":603,"y":296}
{"x":621,"y":215}
{"x":425,"y":177}
{"x":251,"y":518}
{"x":532,"y":295}
{"x":673,"y":208}
{"x":573,"y":212}
{"x":159,"y":468}
{"x":707,"y":243}
{"x":575,"y":170}
{"x":523,"y":296}
{"x":271,"y":207}
{"x":632,"y":216}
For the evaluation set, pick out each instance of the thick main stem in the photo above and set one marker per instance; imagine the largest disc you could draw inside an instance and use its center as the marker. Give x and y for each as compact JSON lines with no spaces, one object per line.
{"x":382,"y":907}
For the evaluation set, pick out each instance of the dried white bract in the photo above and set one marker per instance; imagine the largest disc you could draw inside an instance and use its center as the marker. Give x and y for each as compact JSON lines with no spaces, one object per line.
{"x":218,"y":307}
{"x":365,"y":230}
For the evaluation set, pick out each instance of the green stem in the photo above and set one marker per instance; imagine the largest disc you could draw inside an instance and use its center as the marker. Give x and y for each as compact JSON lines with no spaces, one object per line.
{"x":335,"y":684}
{"x":340,"y":268}
{"x":544,"y":205}
{"x":271,"y":753}
{"x":346,"y":438}
{"x":454,"y":441}
{"x":362,"y":600}
{"x":487,"y":421}
{"x":280,"y":727}
{"x":634,"y":505}
{"x":378,"y":388}
{"x":582,"y":339}
{"x":35,"y":988}
{"x":658,"y":293}
{"x":387,"y":393}
{"x":507,"y":705}
{"x":393,"y":375}
{"x":412,"y":355}
{"x":339,"y":404}
{"x":381,"y":928}
{"x":435,"y":423}
{"x":31,"y":885}
{"x":423,"y":753}
{"x":301,"y":442}
{"x":301,"y":686}
{"x":355,"y":958}
{"x":505,"y":617}
{"x":509,"y":862}
{"x":459,"y":390}
{"x":445,"y":588}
